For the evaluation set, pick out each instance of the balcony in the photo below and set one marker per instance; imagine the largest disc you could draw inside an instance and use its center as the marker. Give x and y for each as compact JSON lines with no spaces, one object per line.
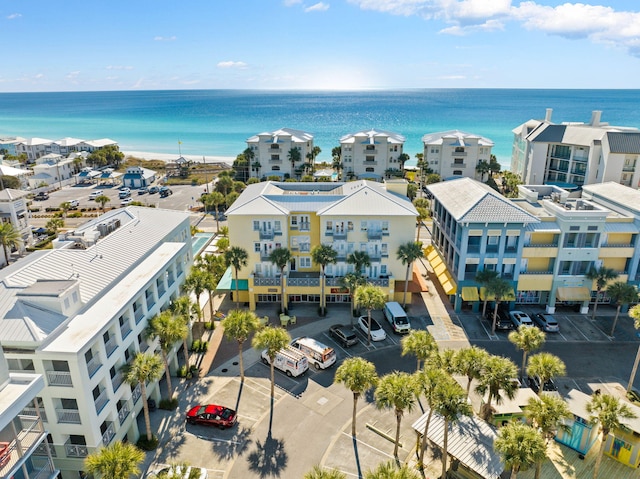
{"x":304,"y":226}
{"x":266,"y":234}
{"x":59,"y":378}
{"x":68,"y":416}
{"x":374,"y":234}
{"x":458,"y":153}
{"x":31,"y":412}
{"x":123,"y":413}
{"x":76,"y":450}
{"x":108,"y":435}
{"x":125,"y":329}
{"x":22,"y":442}
{"x":266,"y":281}
{"x":370,"y":163}
{"x":303,"y":279}
{"x":118,"y":379}
{"x":93,"y":365}
{"x":138,"y":315}
{"x":629,"y":168}
{"x":458,"y":165}
{"x":136,"y":393}
{"x":383,"y":282}
{"x":110,"y":346}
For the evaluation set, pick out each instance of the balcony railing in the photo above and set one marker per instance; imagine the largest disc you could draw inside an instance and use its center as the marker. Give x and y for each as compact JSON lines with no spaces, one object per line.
{"x":125,"y":329}
{"x":110,"y":346}
{"x":41,"y":450}
{"x":266,"y":281}
{"x":32,"y":412}
{"x":68,"y":416}
{"x":305,"y":226}
{"x":550,"y":271}
{"x":374,"y":234}
{"x":107,"y":436}
{"x":44,"y":472}
{"x":136,"y":393}
{"x":303,"y":282}
{"x":59,"y":378}
{"x":340,"y":234}
{"x":93,"y":365}
{"x":138,"y":315}
{"x":629,"y":168}
{"x":336,"y":282}
{"x":610,"y":245}
{"x":76,"y":450}
{"x":458,"y":153}
{"x":458,"y":165}
{"x":117,"y":380}
{"x":541,"y":245}
{"x":123,"y":413}
{"x":384,"y":282}
{"x":266,"y":234}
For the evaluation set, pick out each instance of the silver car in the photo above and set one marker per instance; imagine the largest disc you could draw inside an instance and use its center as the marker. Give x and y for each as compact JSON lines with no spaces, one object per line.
{"x":547,"y":323}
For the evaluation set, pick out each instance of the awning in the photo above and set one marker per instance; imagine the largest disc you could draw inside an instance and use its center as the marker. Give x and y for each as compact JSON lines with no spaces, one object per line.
{"x":440,"y":270}
{"x":573,"y":294}
{"x":510,"y":296}
{"x":470,"y":293}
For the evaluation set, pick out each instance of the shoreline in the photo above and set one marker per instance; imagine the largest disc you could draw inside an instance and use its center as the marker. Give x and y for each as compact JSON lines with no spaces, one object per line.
{"x":170,"y":157}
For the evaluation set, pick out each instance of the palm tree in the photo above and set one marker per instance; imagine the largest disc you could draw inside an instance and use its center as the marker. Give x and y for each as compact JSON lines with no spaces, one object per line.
{"x":520,"y":446}
{"x":169,"y":330}
{"x":546,"y":366}
{"x":197,"y":282}
{"x":634,"y":313}
{"x":318,"y":473}
{"x":281,"y":257}
{"x":470,"y":362}
{"x":65,"y":206}
{"x":547,"y":414}
{"x":351,"y":281}
{"x":9,"y":238}
{"x":419,"y":343}
{"x":119,"y":460}
{"x":607,"y":411}
{"x":238,"y":258}
{"x":483,"y":278}
{"x":396,"y":391}
{"x":215,"y":199}
{"x":145,"y":367}
{"x":359,"y":260}
{"x":423,"y":214}
{"x":323,"y":255}
{"x":358,"y":375}
{"x":185,"y":309}
{"x":428,"y":380}
{"x":499,"y":289}
{"x":214,"y":266}
{"x":450,"y":403}
{"x":407,"y":253}
{"x":391,"y":470}
{"x":621,"y":293}
{"x":497,"y":379}
{"x":102,"y":200}
{"x":482,"y":167}
{"x":294,"y":156}
{"x":369,"y":297}
{"x":238,"y":325}
{"x":54,"y":224}
{"x":273,"y":340}
{"x":527,"y":338}
{"x":601,"y":276}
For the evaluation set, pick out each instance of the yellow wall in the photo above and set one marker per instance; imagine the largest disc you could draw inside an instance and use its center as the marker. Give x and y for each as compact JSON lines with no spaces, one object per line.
{"x":538,"y":264}
{"x":537,"y":251}
{"x":619,"y":238}
{"x":542,"y":238}
{"x":535,"y":282}
{"x":616,"y":264}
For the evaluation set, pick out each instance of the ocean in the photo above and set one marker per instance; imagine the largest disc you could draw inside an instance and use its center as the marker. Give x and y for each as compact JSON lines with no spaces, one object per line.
{"x":218,"y":122}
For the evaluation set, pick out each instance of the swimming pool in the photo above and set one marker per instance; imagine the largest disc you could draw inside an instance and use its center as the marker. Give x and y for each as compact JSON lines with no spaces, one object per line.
{"x":200,"y":242}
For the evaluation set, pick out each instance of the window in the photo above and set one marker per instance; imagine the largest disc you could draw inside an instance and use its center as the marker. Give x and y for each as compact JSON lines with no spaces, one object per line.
{"x":256,"y":247}
{"x":363,"y":226}
{"x":493,"y":240}
{"x":305,"y":262}
{"x":458,"y":161}
{"x":574,"y":228}
{"x":370,"y":147}
{"x":350,"y":225}
{"x":370,"y":158}
{"x":329,"y":225}
{"x":74,"y":296}
{"x":256,"y":225}
{"x":370,"y":170}
{"x":275,"y":168}
{"x":275,"y":157}
{"x":294,"y":221}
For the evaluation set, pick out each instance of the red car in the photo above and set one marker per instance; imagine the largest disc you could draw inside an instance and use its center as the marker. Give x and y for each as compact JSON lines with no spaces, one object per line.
{"x":212,"y":415}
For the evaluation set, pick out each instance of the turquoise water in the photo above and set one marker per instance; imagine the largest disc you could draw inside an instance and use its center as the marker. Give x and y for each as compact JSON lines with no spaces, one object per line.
{"x":199,"y":242}
{"x":217,"y":122}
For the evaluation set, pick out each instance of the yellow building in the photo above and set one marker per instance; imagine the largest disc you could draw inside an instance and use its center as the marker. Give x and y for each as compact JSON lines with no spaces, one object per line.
{"x":355,"y":216}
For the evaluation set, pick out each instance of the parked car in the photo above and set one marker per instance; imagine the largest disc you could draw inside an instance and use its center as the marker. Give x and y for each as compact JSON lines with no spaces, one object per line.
{"x":178,"y":472}
{"x":153,"y":190}
{"x":546,"y":322}
{"x":377,"y":333}
{"x":124,"y":193}
{"x":74,"y":204}
{"x":519,"y":318}
{"x":164,"y":192}
{"x":143,"y":190}
{"x":94,"y":194}
{"x":41,"y":196}
{"x":126,"y":201}
{"x":343,"y":334}
{"x":503,"y":322}
{"x":212,"y":415}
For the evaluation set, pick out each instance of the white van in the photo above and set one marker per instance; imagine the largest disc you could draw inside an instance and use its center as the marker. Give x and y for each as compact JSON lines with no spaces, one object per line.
{"x":397,"y":318}
{"x":288,"y":360}
{"x":320,"y":355}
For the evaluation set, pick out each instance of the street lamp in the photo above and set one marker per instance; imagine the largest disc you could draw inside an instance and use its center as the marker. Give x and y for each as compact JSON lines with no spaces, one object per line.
{"x":206,"y":179}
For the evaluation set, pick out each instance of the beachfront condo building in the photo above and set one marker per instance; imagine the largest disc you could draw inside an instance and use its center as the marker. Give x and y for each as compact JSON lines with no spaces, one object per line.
{"x":77,"y":314}
{"x":456,"y":154}
{"x":371,"y":154}
{"x":13,"y":209}
{"x":570,"y":155}
{"x":35,"y":148}
{"x":281,"y":153}
{"x":356,"y":216}
{"x":543,"y":242}
{"x":24,"y":450}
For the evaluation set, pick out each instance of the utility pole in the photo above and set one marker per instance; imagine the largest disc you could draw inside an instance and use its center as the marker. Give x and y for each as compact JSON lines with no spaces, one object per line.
{"x":206,"y":179}
{"x":58,"y":173}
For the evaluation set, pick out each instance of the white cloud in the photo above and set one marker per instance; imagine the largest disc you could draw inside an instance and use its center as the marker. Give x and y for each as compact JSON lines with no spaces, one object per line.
{"x":165,"y":39}
{"x":13,"y":16}
{"x":291,"y":3}
{"x":318,"y":7}
{"x":37,"y":76}
{"x":231,"y":64}
{"x":73,"y":75}
{"x":119,"y":67}
{"x":598,"y":23}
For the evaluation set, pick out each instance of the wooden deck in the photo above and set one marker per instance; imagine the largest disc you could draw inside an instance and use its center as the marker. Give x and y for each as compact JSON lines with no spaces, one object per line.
{"x":565,"y":464}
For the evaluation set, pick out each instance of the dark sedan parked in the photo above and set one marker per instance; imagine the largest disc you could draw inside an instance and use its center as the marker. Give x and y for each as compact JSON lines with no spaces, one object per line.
{"x":343,"y":334}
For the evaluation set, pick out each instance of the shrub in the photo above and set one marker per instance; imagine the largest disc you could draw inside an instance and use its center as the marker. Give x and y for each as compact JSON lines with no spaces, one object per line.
{"x":168,"y":404}
{"x":195,"y":346}
{"x":182,"y":372}
{"x":204,"y":346}
{"x":147,"y":445}
{"x":75,"y":214}
{"x":194,"y":370}
{"x":208,"y":325}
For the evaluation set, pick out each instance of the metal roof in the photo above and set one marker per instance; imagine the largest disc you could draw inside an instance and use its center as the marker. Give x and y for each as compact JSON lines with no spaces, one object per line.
{"x":624,"y":142}
{"x":298,"y":136}
{"x":470,"y":440}
{"x":615,"y":193}
{"x":371,"y":135}
{"x":459,"y":136}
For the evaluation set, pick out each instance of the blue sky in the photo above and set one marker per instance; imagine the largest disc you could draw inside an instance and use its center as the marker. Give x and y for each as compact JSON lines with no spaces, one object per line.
{"x":68,"y":45}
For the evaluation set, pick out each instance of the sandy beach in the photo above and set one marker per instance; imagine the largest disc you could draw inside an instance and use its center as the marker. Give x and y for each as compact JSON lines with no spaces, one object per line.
{"x":168,"y":157}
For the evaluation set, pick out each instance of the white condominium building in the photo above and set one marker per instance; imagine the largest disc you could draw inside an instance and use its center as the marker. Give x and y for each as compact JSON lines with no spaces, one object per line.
{"x":370,"y":154}
{"x":456,"y":154}
{"x":272,"y":153}
{"x":570,"y":155}
{"x":77,"y":314}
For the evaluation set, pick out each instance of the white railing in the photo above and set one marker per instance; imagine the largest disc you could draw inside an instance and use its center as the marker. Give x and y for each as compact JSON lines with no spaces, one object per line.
{"x":123,"y":413}
{"x":116,"y":381}
{"x":31,"y":412}
{"x":108,"y":434}
{"x":136,"y":393}
{"x":69,"y":416}
{"x":101,"y":401}
{"x":93,"y":365}
{"x":110,"y":345}
{"x":76,"y":450}
{"x":125,"y":329}
{"x":59,"y":378}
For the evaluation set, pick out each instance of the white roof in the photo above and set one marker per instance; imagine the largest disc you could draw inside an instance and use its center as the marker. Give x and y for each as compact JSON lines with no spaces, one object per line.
{"x":11,"y":171}
{"x":297,"y":136}
{"x":36,"y":141}
{"x":101,"y":142}
{"x":68,"y":141}
{"x":454,"y":135}
{"x":616,"y":193}
{"x":370,"y":136}
{"x":50,"y":156}
{"x":16,"y":394}
{"x":9,"y":194}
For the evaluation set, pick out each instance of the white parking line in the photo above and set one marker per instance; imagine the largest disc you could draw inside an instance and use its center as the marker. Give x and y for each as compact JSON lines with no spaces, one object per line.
{"x":577,"y":328}
{"x":562,"y":336}
{"x":492,"y":337}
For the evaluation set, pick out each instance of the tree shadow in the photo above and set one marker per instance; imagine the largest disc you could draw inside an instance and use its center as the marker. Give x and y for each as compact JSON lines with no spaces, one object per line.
{"x":239,"y":396}
{"x":269,"y":458}
{"x":234,"y":446}
{"x":356,"y":455}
